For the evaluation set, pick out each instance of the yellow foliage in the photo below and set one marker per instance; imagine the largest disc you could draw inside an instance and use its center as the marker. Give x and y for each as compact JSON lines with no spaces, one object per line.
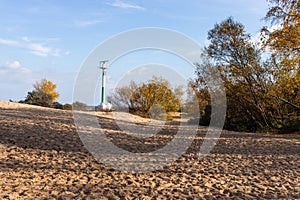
{"x":47,"y":87}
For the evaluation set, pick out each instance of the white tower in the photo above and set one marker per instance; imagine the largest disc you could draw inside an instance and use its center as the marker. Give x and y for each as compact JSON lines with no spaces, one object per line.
{"x":104,"y":106}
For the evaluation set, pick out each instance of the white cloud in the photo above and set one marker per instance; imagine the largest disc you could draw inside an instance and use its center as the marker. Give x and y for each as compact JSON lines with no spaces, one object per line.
{"x":124,"y":5}
{"x":16,"y":80}
{"x":40,"y":40}
{"x":26,"y":39}
{"x":88,"y":22}
{"x":14,"y":65}
{"x":37,"y":47}
{"x":14,"y":69}
{"x":9,"y":42}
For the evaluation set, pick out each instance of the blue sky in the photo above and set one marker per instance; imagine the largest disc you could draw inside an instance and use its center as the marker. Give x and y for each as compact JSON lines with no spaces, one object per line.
{"x":51,"y":38}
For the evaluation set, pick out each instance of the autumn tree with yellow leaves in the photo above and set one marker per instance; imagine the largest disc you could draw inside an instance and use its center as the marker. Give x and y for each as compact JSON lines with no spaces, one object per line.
{"x":153,"y":96}
{"x":44,"y":94}
{"x":262,"y":95}
{"x":47,"y":87}
{"x":284,"y":65}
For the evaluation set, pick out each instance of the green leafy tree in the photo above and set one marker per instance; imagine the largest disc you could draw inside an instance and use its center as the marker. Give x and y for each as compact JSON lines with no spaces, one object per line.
{"x":260,"y":94}
{"x":38,"y":98}
{"x":239,"y":63}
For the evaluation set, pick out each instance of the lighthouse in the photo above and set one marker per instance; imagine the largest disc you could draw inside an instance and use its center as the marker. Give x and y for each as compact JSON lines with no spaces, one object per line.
{"x":104,"y":106}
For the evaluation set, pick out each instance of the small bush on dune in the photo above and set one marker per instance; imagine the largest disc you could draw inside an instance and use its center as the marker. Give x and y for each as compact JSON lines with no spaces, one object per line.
{"x":67,"y":106}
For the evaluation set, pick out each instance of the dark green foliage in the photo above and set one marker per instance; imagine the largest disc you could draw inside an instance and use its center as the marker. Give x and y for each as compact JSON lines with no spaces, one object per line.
{"x":205,"y":119}
{"x":44,"y":95}
{"x":67,"y":106}
{"x":57,"y":105}
{"x":38,"y":98}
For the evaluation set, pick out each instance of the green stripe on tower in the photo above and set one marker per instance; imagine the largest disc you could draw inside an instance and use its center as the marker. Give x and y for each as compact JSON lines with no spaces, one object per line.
{"x":102,"y":97}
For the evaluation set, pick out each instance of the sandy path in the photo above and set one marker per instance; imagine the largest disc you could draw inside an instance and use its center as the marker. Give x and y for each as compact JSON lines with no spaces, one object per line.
{"x":42,"y":157}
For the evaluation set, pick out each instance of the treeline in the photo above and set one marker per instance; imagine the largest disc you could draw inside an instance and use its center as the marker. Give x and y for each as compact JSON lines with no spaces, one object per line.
{"x":262,"y":94}
{"x":261,"y":80}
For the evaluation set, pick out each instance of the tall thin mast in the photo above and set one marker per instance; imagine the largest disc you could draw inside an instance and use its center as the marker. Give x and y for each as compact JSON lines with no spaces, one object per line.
{"x":103,"y":67}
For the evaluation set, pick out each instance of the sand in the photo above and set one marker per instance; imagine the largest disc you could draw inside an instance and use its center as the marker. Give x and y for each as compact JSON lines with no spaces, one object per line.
{"x":42,"y":157}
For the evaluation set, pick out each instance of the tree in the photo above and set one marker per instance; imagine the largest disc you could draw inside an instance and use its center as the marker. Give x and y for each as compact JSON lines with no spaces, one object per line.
{"x":67,"y":106}
{"x":199,"y":87}
{"x":44,"y":94}
{"x":153,"y":95}
{"x":47,"y":87}
{"x":239,"y":62}
{"x":284,"y":41}
{"x":38,"y":98}
{"x":284,"y":64}
{"x":57,"y":105}
{"x":286,"y":38}
{"x":121,"y":98}
{"x":260,"y":94}
{"x":79,"y":106}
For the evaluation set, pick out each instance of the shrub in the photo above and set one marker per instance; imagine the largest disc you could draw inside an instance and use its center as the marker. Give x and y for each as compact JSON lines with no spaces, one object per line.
{"x":57,"y":105}
{"x":67,"y":106}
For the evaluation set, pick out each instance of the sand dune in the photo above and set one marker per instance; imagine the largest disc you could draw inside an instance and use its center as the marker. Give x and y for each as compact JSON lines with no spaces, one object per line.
{"x":42,"y":157}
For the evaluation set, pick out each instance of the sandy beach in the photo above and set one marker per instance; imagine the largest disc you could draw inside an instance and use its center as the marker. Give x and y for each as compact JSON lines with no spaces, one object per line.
{"x":42,"y":157}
